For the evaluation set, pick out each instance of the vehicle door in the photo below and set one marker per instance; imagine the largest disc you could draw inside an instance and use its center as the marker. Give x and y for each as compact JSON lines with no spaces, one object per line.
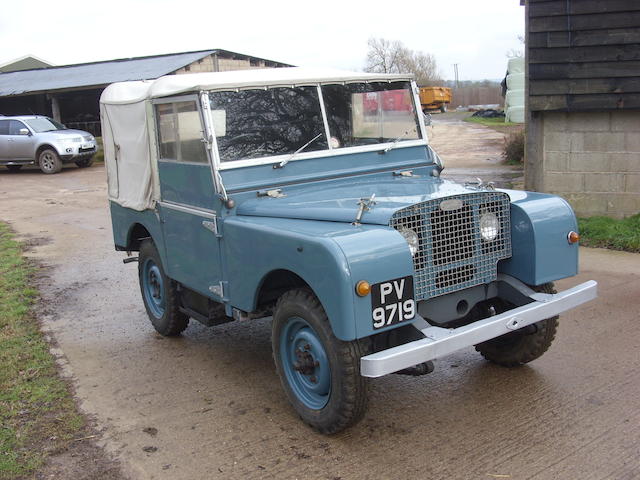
{"x":189,"y":208}
{"x":20,"y":141}
{"x":4,"y":139}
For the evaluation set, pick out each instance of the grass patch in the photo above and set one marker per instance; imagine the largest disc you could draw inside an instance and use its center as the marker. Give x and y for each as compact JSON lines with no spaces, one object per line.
{"x":37,"y":414}
{"x":611,"y":233}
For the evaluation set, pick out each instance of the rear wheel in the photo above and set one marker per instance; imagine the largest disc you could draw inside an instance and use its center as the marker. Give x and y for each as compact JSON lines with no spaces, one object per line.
{"x":524,"y":345}
{"x":443,"y":108}
{"x":14,"y":168}
{"x":319,"y":373}
{"x":85,"y":162}
{"x":159,"y":293}
{"x":49,"y":161}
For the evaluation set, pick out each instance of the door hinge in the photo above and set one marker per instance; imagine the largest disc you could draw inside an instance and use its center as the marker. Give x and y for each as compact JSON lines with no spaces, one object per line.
{"x":217,"y":290}
{"x":211,"y":225}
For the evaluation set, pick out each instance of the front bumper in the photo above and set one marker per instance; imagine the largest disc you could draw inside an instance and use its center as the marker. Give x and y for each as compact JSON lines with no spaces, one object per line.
{"x":443,"y":341}
{"x":77,"y":152}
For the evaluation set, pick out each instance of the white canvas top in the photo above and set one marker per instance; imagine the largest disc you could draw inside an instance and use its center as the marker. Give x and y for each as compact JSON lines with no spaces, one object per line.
{"x":131,"y":92}
{"x":127,"y":130}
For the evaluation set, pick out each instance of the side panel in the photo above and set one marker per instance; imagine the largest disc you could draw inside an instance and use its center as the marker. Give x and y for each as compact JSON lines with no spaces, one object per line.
{"x":539,"y":227}
{"x":331,"y":257}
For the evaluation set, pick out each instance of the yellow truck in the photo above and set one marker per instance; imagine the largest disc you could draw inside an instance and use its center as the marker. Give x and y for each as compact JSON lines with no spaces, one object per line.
{"x":435,"y":98}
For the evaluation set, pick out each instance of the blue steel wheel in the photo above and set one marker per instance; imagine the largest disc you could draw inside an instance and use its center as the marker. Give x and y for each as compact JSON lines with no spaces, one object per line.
{"x":320,"y":374}
{"x":305,"y":363}
{"x":153,"y":287}
{"x":159,"y":293}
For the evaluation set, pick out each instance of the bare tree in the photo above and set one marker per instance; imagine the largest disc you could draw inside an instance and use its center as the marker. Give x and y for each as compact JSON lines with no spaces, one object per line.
{"x":385,"y":56}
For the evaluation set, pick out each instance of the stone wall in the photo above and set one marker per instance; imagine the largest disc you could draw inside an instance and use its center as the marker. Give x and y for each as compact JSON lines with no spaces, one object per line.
{"x":591,"y":159}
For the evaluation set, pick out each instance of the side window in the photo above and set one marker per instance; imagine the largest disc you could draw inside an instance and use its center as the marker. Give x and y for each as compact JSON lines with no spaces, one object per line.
{"x":15,"y":126}
{"x":4,"y":127}
{"x":180,"y":132}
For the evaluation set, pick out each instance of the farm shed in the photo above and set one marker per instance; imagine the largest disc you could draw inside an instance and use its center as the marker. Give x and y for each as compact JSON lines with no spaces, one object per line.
{"x":583,"y":102}
{"x":71,"y":93}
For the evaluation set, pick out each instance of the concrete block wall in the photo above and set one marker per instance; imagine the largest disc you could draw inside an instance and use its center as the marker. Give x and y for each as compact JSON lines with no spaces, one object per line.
{"x":208,"y":64}
{"x":593,"y":161}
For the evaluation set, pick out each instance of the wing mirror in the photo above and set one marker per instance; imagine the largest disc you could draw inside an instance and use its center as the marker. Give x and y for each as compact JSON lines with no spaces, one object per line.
{"x":24,"y":131}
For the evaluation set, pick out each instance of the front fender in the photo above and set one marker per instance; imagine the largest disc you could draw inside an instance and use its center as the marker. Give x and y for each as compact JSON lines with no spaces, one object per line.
{"x":330,"y":257}
{"x":539,"y":227}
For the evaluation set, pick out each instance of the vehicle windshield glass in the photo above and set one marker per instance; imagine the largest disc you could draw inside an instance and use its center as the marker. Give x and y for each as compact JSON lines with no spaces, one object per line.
{"x":263,"y":123}
{"x":44,"y":124}
{"x":370,"y":113}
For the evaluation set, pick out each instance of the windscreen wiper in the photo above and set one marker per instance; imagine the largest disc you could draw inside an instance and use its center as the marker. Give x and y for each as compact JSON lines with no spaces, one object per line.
{"x":395,"y":142}
{"x":287,"y":160}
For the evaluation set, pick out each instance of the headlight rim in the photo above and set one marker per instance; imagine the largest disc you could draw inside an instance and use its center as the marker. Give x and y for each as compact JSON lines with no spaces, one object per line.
{"x":493,"y":229}
{"x":413,"y":247}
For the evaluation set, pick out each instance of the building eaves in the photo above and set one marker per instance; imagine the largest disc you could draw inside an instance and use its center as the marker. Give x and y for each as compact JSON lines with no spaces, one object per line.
{"x":95,"y":73}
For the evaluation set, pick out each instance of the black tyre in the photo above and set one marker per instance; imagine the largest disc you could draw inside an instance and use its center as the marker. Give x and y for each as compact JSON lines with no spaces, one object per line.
{"x":85,"y":162}
{"x":14,"y":168}
{"x":49,"y":161}
{"x":159,"y":293}
{"x":320,"y":374}
{"x":443,"y":108}
{"x":525,"y":345}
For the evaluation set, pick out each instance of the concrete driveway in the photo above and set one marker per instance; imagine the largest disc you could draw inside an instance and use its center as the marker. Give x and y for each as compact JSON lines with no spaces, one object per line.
{"x":209,"y":404}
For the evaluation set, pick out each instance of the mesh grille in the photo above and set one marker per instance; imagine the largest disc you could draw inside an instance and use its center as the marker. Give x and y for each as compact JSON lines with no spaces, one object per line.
{"x":451,"y":254}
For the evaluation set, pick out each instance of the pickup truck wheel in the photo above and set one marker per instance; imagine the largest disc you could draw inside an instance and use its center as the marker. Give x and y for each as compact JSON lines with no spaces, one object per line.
{"x":159,"y":293}
{"x":49,"y":161}
{"x":525,"y":345}
{"x":14,"y":168}
{"x":319,"y":373}
{"x":85,"y":162}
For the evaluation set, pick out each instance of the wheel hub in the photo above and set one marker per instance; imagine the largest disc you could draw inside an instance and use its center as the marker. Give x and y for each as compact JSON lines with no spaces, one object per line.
{"x":305,"y":363}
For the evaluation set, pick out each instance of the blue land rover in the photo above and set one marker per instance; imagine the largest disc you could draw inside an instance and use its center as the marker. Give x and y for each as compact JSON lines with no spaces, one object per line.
{"x":313,"y":198}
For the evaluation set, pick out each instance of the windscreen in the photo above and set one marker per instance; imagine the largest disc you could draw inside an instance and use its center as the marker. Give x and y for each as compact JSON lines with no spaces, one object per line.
{"x":370,"y":113}
{"x":263,"y":123}
{"x":44,"y":124}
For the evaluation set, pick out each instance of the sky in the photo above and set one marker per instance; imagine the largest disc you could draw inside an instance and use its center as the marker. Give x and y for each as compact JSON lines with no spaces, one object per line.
{"x":474,"y":34}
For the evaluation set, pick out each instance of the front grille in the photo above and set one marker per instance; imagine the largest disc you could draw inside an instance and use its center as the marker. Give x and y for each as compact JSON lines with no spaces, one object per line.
{"x":451,"y":254}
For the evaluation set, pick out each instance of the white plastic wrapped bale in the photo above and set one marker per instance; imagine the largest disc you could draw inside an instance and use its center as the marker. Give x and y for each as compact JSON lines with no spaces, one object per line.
{"x":514,"y":99}
{"x":132,"y":181}
{"x":515,"y":81}
{"x":515,"y":65}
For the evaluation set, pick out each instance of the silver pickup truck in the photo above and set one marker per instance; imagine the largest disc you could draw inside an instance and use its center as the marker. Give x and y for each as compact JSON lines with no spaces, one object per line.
{"x":39,"y":140}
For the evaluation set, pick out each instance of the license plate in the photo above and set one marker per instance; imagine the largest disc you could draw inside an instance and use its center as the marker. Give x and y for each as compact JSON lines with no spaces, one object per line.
{"x":87,"y":146}
{"x":392,"y":302}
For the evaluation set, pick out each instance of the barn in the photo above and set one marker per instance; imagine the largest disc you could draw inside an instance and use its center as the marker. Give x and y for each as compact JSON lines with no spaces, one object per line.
{"x":583,"y":103}
{"x":70,"y":93}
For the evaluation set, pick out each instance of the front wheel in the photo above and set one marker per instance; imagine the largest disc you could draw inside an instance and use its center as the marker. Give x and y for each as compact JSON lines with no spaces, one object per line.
{"x":319,"y":373}
{"x":524,"y":345}
{"x":159,"y":293}
{"x":49,"y":161}
{"x":443,"y":108}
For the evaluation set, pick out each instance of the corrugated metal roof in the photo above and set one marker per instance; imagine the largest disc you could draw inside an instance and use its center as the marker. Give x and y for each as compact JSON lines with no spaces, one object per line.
{"x":97,"y":73}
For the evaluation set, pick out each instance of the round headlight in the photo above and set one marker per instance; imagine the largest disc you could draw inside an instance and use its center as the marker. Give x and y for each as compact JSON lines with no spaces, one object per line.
{"x":489,"y":226}
{"x":412,"y":239}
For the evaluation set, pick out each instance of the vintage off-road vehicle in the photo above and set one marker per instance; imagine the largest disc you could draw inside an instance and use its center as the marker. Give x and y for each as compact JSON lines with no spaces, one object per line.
{"x":313,"y":197}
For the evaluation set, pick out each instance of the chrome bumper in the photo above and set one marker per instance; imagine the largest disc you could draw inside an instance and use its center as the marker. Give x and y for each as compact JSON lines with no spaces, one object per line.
{"x":443,"y":341}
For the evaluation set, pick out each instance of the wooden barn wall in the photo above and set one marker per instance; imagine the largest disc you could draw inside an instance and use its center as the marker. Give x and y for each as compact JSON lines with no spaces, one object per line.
{"x":583,"y":55}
